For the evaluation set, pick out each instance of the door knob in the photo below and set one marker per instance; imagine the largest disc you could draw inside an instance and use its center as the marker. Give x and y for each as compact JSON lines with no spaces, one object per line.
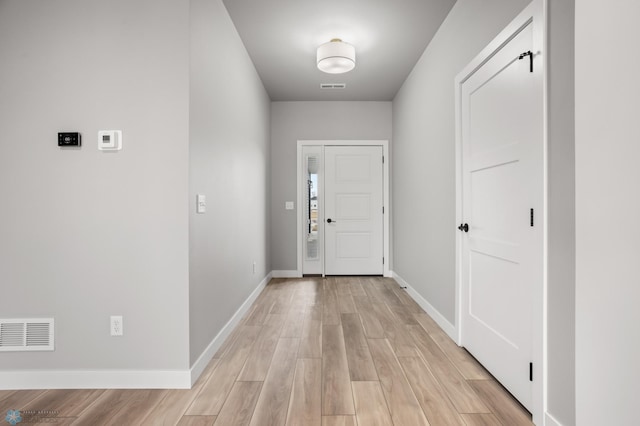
{"x":464,"y":227}
{"x":331,"y":220}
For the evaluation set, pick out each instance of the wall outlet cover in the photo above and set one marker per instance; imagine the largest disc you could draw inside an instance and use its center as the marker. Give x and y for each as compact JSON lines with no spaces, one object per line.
{"x":201,"y":203}
{"x":116,"y":325}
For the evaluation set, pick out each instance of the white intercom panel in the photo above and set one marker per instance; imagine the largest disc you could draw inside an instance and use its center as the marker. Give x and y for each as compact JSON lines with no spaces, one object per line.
{"x":109,"y":140}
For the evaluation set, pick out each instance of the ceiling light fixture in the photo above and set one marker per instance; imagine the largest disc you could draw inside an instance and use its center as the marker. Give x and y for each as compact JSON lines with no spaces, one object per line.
{"x":336,"y":57}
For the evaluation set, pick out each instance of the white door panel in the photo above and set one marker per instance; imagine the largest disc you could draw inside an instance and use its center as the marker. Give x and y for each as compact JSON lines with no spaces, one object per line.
{"x":352,"y":168}
{"x":494,"y":275}
{"x":354,"y":200}
{"x":501,"y":112}
{"x":490,"y":187}
{"x":353,"y":206}
{"x":352,"y":245}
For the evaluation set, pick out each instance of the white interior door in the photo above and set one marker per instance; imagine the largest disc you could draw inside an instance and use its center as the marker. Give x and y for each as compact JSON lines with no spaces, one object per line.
{"x":353,"y":210}
{"x":502,"y":180}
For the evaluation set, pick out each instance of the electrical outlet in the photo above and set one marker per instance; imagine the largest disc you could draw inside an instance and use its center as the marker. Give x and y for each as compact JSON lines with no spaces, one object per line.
{"x":254,"y":268}
{"x":116,"y":325}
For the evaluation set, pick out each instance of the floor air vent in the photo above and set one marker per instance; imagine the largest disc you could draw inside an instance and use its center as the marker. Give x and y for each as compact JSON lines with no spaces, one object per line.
{"x":333,"y":86}
{"x":26,"y":334}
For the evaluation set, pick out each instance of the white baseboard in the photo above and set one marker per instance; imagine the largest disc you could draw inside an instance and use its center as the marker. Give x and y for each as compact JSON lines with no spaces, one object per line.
{"x":126,"y":379}
{"x":286,"y":274}
{"x":94,"y":379}
{"x":203,"y":360}
{"x":549,"y":420}
{"x":448,"y":328}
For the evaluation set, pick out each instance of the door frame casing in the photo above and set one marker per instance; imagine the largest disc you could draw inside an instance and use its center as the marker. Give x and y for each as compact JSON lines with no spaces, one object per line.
{"x":534,"y":13}
{"x":385,"y":196}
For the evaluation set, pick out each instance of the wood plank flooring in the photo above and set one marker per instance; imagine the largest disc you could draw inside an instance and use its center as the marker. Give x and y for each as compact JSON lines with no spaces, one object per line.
{"x":343,"y":351}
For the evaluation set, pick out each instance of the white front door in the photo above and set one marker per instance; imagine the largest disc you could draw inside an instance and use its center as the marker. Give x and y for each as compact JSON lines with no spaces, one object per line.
{"x":502,"y":181}
{"x":353,"y":210}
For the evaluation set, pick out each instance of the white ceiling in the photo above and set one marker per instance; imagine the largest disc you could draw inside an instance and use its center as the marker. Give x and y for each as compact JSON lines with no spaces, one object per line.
{"x":281,"y":37}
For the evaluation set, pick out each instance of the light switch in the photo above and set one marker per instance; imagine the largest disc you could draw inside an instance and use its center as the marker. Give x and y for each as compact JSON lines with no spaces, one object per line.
{"x":201,"y":203}
{"x":288,"y":205}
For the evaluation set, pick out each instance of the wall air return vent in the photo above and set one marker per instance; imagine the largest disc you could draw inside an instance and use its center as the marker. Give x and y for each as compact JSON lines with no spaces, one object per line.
{"x":33,"y":334}
{"x":332,"y":86}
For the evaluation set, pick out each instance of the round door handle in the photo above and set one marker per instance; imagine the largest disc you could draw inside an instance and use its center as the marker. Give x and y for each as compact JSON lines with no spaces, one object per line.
{"x":464,"y":227}
{"x":331,"y":220}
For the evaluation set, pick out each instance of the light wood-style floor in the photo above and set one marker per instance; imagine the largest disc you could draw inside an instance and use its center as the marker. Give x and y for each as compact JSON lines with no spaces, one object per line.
{"x":326,"y":352}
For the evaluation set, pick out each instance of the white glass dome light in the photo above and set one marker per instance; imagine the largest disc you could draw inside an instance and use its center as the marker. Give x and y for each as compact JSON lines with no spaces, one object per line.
{"x":336,"y":57}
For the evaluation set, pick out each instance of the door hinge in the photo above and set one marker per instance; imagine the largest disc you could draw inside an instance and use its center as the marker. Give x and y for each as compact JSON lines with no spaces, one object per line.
{"x":531,"y":372}
{"x":383,"y":159}
{"x":530,"y":55}
{"x":531,"y":217}
{"x":382,"y":209}
{"x":383,"y":260}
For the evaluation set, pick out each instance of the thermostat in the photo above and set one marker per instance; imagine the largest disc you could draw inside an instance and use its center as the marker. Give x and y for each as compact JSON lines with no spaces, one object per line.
{"x":69,"y":139}
{"x":110,"y":140}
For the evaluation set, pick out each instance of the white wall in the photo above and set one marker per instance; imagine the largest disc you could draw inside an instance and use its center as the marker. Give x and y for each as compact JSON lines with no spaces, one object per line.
{"x":229,"y":163}
{"x":607,"y":209}
{"x":561,"y":213}
{"x":423,"y":159}
{"x":291,"y":121}
{"x":86,"y":234}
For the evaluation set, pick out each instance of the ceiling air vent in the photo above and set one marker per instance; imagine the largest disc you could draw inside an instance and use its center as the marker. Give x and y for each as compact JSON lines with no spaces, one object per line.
{"x":26,"y":334}
{"x":330,"y":86}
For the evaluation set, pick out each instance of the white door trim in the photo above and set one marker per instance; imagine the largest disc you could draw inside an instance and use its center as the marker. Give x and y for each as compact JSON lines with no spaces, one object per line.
{"x":533,"y":13}
{"x":386,"y":187}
